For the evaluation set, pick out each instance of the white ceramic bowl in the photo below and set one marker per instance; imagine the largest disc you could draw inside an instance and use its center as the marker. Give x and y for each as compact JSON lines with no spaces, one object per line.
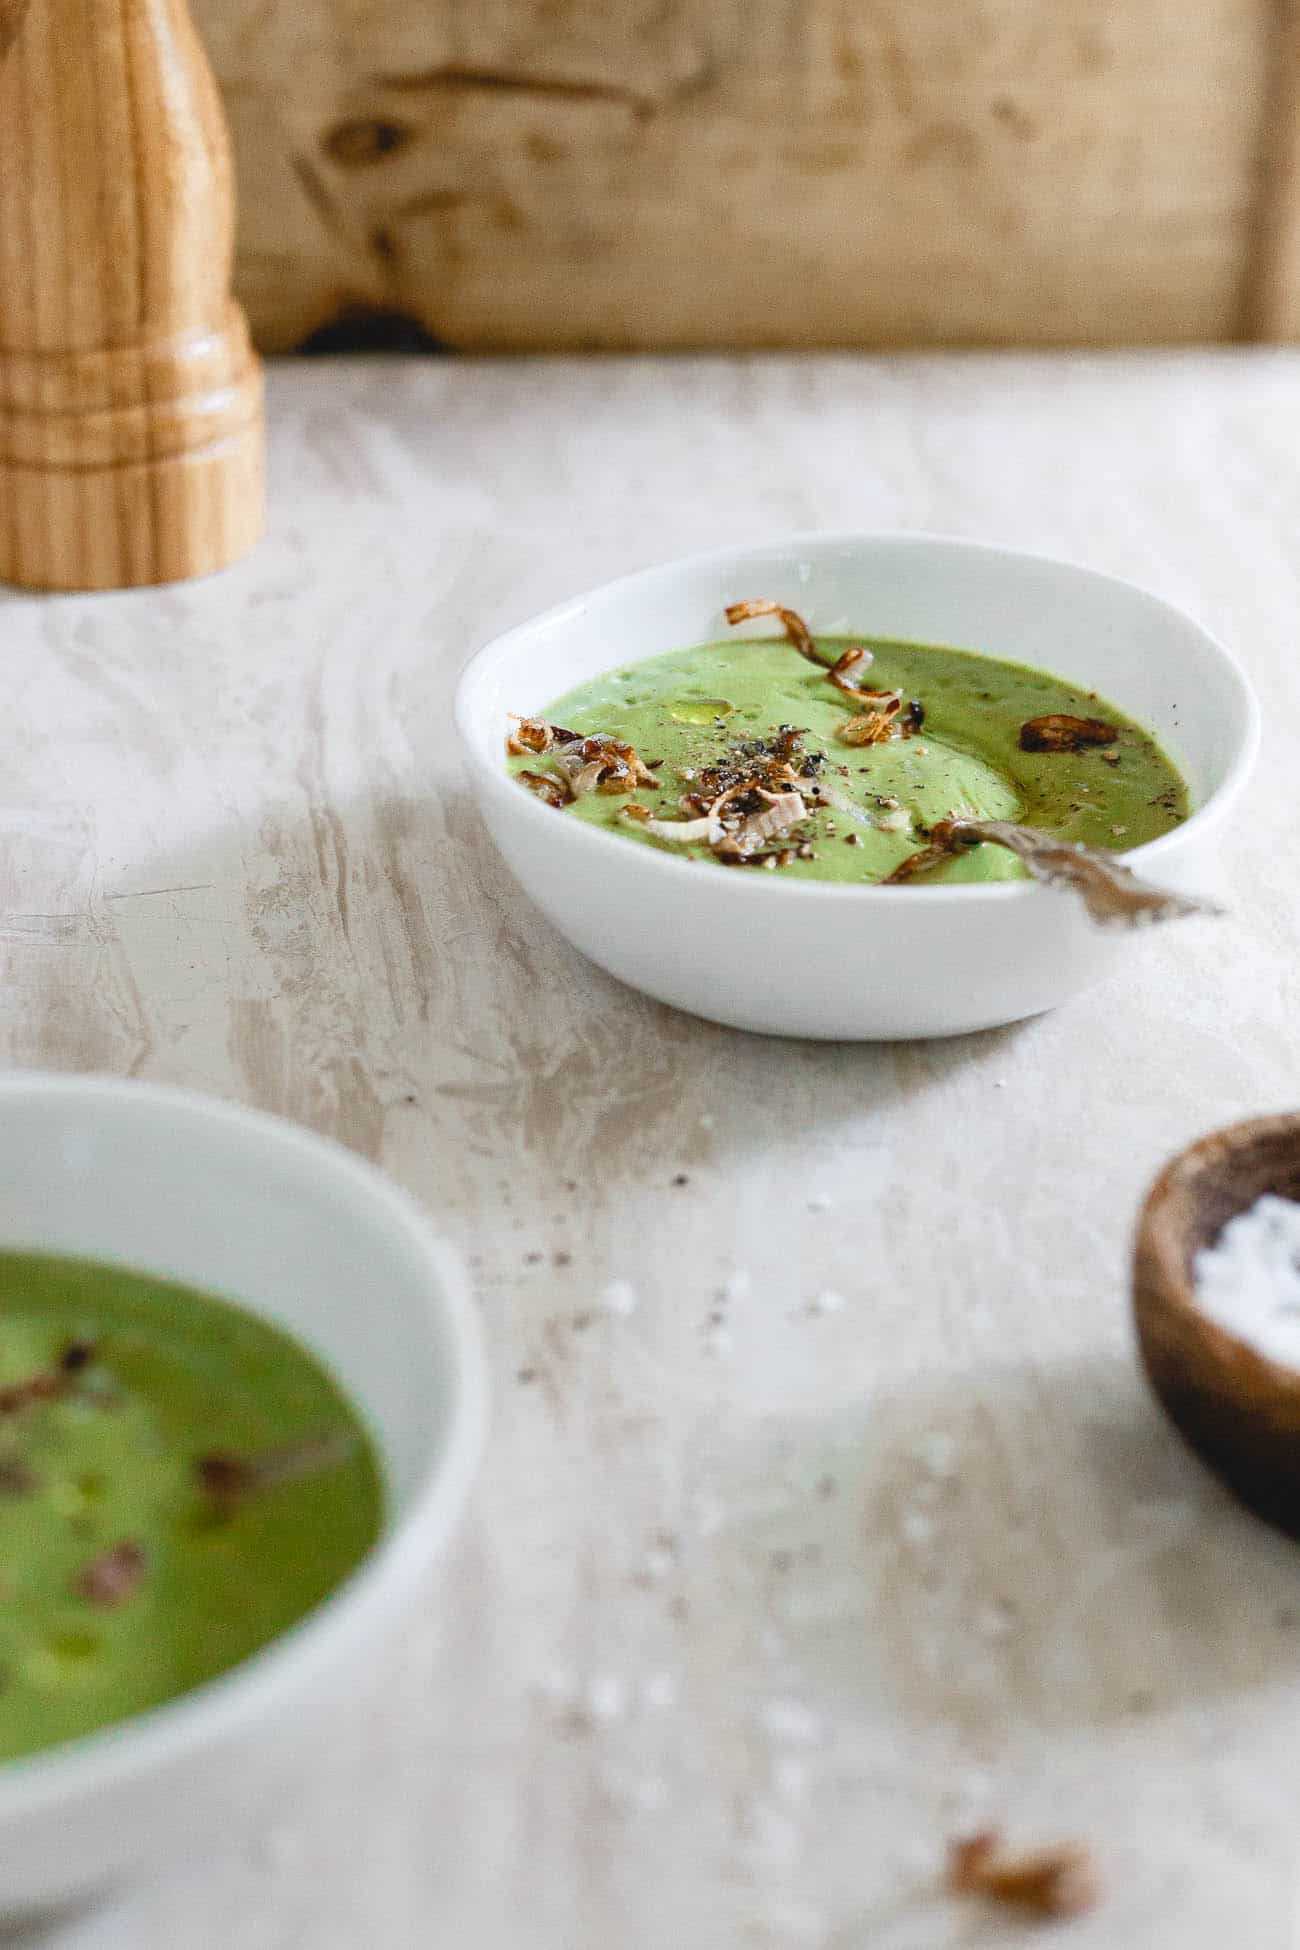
{"x":309,"y":1236}
{"x":795,"y":958}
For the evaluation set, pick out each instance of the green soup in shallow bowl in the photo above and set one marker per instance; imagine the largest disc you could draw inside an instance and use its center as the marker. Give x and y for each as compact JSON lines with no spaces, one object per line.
{"x":821,"y":948}
{"x":241,"y":1404}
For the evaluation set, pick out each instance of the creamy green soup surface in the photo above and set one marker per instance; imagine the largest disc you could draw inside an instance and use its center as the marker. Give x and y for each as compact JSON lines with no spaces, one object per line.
{"x":179,"y":1482}
{"x":694,"y":714}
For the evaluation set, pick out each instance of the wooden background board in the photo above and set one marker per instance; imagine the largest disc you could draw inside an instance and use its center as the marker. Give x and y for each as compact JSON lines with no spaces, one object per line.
{"x":765,"y":172}
{"x":738,"y":1630}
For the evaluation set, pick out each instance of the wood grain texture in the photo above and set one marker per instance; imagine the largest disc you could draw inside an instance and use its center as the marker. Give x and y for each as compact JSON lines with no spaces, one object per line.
{"x":11,"y":14}
{"x":1271,"y":284}
{"x":130,"y":401}
{"x":748,"y":172}
{"x":749,"y":1614}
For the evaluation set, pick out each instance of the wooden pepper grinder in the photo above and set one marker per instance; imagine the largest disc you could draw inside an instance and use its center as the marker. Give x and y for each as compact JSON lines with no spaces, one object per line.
{"x":130,"y":399}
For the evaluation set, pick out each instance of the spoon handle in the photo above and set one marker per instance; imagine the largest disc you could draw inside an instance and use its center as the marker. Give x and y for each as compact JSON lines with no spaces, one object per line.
{"x":1111,"y":892}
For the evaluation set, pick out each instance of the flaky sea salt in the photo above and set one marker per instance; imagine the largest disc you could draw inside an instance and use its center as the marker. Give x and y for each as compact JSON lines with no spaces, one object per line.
{"x":791,"y":1776}
{"x":558,"y":1683}
{"x":606,"y":1696}
{"x":937,"y":1453}
{"x":791,"y":1722}
{"x":771,"y":1839}
{"x":917,"y":1528}
{"x":827,"y":1302}
{"x":1249,"y":1280}
{"x":658,"y":1691}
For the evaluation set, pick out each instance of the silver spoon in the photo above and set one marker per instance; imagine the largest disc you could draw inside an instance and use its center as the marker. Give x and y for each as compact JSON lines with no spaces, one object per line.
{"x":1111,"y":892}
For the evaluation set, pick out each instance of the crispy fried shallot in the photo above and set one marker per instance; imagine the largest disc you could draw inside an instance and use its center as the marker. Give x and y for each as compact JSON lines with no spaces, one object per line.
{"x":1057,"y":1881}
{"x":779,"y":812}
{"x":601,"y":764}
{"x":114,"y":1576}
{"x":226,"y":1476}
{"x":536,"y":735}
{"x":874,"y":727}
{"x":44,"y":1386}
{"x":735,"y":836}
{"x":791,"y":622}
{"x":1111,"y":892}
{"x":704,"y":831}
{"x":841,"y":674}
{"x":879,"y":708}
{"x":1060,"y":733}
{"x":756,"y":791}
{"x":774,"y":763}
{"x":548,"y":786}
{"x":582,"y":764}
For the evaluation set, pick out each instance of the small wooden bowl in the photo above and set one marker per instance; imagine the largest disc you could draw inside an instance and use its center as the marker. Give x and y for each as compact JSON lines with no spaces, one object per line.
{"x":1238,"y":1410}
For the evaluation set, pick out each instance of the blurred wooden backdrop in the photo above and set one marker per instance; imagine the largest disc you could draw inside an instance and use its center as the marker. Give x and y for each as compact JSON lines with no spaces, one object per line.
{"x":593,"y":173}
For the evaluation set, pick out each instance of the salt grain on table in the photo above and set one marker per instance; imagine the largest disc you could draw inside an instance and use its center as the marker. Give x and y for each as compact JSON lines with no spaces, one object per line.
{"x":917,"y":1528}
{"x":828,"y":1302}
{"x":791,"y":1776}
{"x":791,"y":1721}
{"x":558,"y":1683}
{"x":606,"y":1696}
{"x":619,"y":1297}
{"x":937,"y":1452}
{"x":658,"y":1691}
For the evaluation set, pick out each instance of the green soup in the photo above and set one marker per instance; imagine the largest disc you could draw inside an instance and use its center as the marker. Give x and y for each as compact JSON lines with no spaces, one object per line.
{"x":699,"y":710}
{"x":179,"y":1483}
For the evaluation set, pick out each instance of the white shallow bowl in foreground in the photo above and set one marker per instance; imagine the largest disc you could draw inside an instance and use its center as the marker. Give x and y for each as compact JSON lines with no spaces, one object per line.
{"x":313,"y":1239}
{"x":795,"y":958}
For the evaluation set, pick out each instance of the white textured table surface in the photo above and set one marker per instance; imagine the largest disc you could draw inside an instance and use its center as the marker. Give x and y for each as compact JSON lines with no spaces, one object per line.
{"x":738,"y":1628}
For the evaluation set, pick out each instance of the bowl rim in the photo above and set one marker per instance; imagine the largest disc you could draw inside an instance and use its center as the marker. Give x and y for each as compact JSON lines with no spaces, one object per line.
{"x":234,"y":1702}
{"x":494,"y":782}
